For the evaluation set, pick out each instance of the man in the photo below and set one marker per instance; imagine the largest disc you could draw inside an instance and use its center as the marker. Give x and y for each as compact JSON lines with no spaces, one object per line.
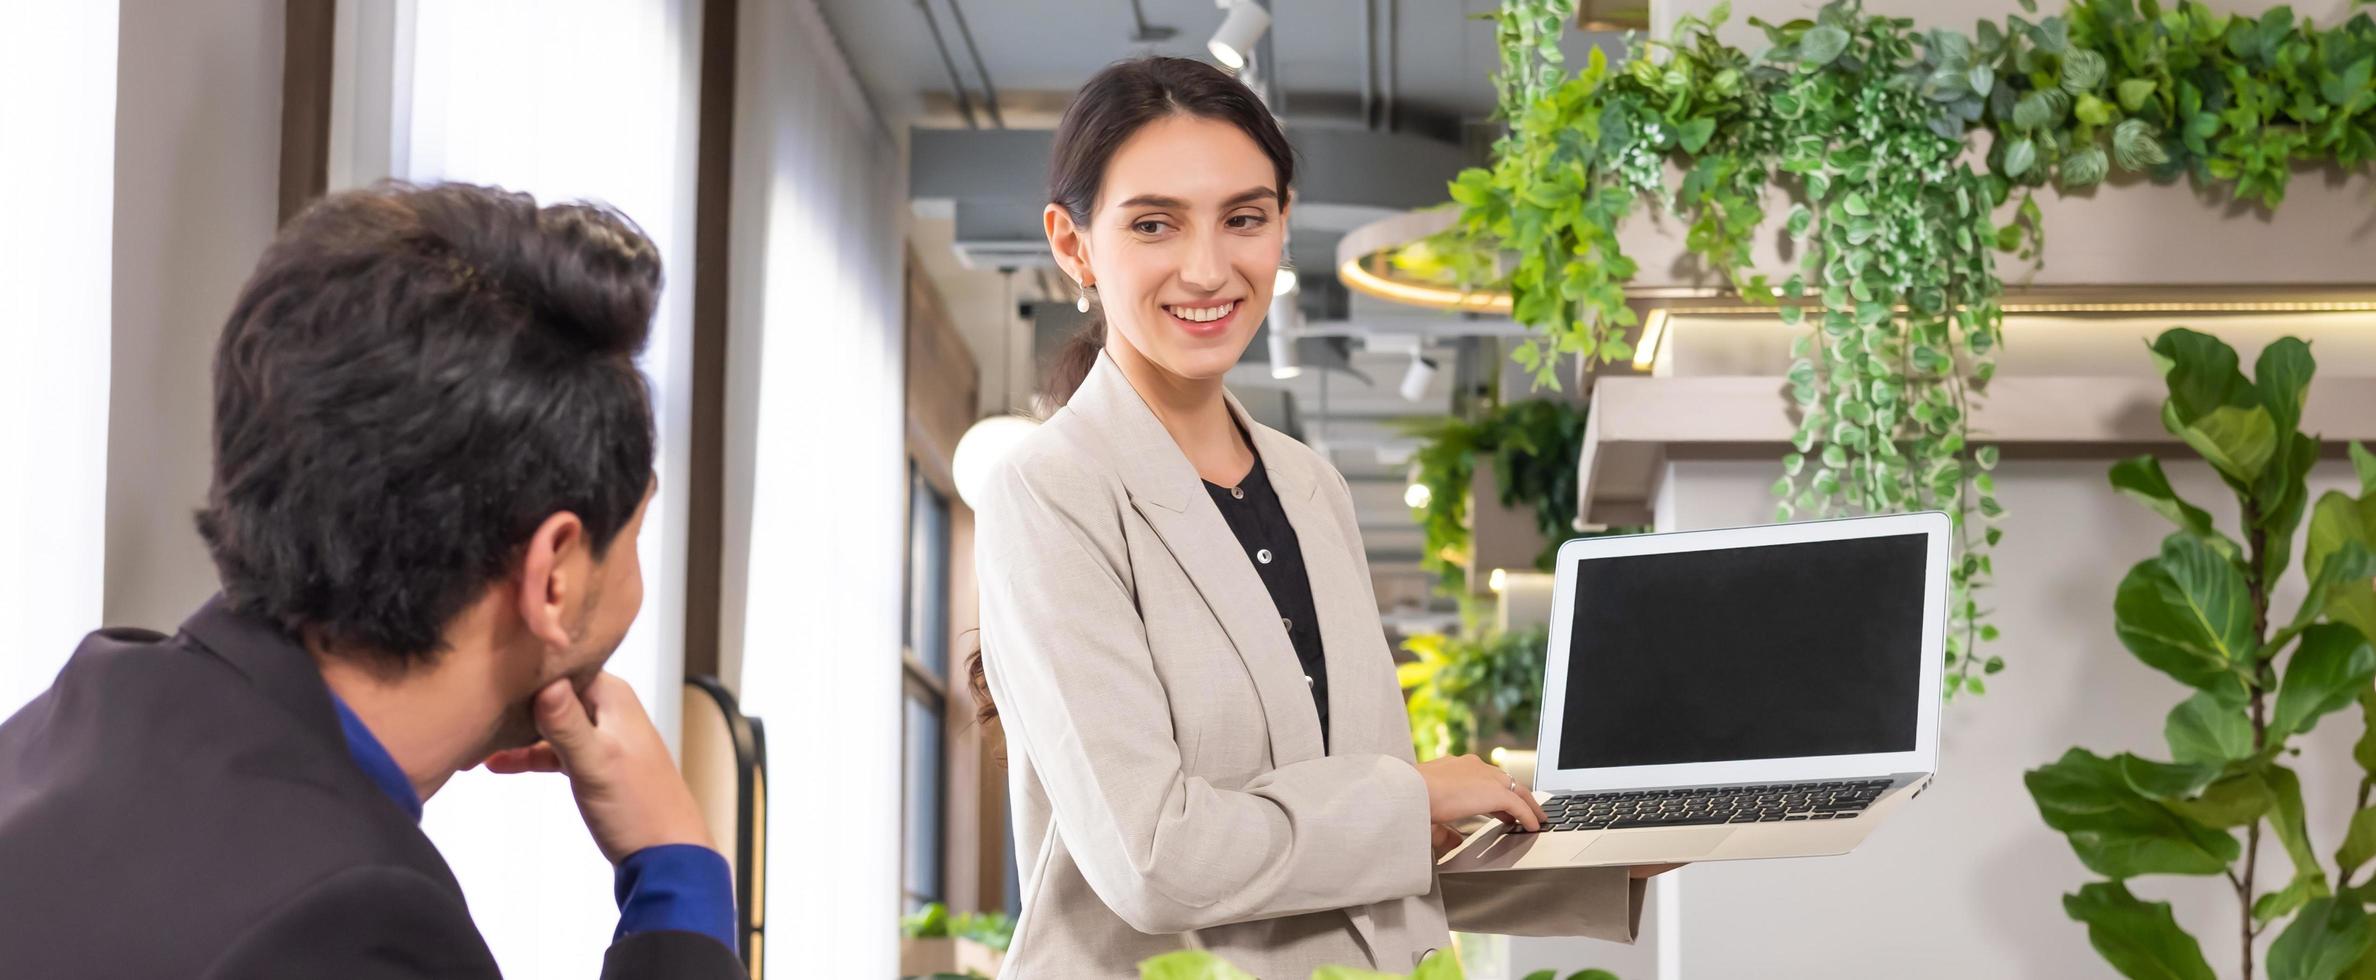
{"x":432,"y":452}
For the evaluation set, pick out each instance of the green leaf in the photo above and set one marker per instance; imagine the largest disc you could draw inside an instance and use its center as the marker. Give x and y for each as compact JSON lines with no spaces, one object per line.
{"x":2116,"y":829}
{"x":2141,"y":477}
{"x":2364,"y":463}
{"x":2134,"y":92}
{"x":2339,"y":524}
{"x":2364,"y":750}
{"x":1357,"y":973}
{"x":2019,"y":156}
{"x":1694,"y":135}
{"x":2082,"y":71}
{"x":1191,"y":964}
{"x":1444,"y":965}
{"x":2084,"y":168}
{"x":1822,"y":44}
{"x":2188,"y":614}
{"x":2033,"y":112}
{"x":1982,"y":78}
{"x":2232,"y":801}
{"x":2201,"y":730}
{"x":2359,"y":843}
{"x":2345,"y":86}
{"x":2292,"y":826}
{"x":2327,"y":937}
{"x":2285,"y":901}
{"x":2238,"y":442}
{"x":2135,"y":145}
{"x":2283,"y":377}
{"x":2140,"y":939}
{"x":2281,"y":491}
{"x":2327,"y":670}
{"x":2203,"y":375}
{"x":1986,"y":456}
{"x":2092,"y":111}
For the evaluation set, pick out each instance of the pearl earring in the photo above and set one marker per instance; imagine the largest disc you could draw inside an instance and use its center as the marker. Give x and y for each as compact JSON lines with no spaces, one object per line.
{"x":1082,"y":304}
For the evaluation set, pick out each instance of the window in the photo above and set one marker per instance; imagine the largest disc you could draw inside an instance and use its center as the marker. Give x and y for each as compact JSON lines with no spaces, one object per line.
{"x":925,"y":664}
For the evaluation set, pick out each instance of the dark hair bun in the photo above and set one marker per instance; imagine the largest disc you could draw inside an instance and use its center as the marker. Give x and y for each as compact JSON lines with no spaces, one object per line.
{"x":582,"y":270}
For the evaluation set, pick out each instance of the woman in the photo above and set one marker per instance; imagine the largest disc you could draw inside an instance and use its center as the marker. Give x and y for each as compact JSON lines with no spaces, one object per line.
{"x":1206,"y":742}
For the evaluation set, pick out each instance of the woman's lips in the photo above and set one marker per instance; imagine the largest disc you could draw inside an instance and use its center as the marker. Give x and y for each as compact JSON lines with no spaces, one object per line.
{"x":1192,"y":318}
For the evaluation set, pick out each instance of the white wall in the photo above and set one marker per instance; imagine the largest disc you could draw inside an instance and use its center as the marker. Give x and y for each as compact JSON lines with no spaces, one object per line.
{"x":197,"y":130}
{"x":815,"y":479}
{"x":57,"y":93}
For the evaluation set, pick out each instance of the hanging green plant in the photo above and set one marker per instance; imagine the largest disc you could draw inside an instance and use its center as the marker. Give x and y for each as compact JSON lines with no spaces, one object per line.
{"x":1861,"y":121}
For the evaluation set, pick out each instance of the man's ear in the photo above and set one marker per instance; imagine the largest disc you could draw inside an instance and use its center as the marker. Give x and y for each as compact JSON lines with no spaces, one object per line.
{"x":1070,"y":242}
{"x":554,"y":572}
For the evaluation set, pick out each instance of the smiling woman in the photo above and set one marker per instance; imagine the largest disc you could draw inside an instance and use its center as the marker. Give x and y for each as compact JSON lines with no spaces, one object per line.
{"x":1177,"y":620}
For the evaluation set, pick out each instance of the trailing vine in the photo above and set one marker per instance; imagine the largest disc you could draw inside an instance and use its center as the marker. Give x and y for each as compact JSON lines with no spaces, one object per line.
{"x":1861,"y":121}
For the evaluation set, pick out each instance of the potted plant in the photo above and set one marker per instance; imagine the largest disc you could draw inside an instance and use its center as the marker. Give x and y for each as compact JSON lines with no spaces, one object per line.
{"x":936,"y":943}
{"x":2201,"y":611}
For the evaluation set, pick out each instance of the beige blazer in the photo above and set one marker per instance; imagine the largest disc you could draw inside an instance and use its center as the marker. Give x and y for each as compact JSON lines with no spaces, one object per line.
{"x":1168,"y":781}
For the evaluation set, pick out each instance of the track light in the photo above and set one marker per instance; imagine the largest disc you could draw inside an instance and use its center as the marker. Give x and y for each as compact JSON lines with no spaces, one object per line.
{"x":1233,"y":44}
{"x":1285,"y":282}
{"x":1415,"y":381}
{"x":1285,"y":319}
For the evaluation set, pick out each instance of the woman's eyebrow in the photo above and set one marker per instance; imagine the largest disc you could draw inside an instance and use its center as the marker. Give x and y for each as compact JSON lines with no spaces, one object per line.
{"x":1175,"y":204}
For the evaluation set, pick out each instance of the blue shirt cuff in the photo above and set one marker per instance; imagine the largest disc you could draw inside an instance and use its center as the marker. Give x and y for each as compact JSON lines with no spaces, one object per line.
{"x":680,"y":887}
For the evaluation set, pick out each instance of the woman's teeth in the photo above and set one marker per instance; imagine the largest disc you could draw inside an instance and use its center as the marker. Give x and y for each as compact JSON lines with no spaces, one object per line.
{"x":1201,"y":314}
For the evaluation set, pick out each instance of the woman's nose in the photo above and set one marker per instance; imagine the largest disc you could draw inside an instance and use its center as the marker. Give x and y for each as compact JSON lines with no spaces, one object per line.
{"x":1206,"y":267}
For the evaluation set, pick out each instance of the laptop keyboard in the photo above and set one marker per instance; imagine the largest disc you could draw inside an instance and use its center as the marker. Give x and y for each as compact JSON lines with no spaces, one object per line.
{"x":1712,"y":804}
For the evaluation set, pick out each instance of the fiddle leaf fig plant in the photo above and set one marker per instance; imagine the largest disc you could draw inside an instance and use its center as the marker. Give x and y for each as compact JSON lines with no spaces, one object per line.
{"x":2202,"y":612}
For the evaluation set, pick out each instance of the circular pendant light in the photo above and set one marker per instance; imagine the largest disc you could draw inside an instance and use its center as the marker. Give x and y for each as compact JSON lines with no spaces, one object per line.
{"x":988,"y":442}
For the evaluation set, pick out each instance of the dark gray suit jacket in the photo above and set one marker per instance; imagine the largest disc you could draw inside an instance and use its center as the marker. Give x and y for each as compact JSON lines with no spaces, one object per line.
{"x":185,"y":807}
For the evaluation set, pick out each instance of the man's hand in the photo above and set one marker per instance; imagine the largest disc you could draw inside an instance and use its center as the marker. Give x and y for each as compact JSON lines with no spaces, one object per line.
{"x":628,"y":790}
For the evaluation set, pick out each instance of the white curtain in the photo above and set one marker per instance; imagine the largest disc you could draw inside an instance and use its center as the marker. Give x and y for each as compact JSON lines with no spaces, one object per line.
{"x":57,"y":187}
{"x":815,"y":481}
{"x":562,"y":99}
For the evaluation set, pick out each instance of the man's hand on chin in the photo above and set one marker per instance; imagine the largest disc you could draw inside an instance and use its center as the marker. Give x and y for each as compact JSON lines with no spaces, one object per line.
{"x":628,"y":789}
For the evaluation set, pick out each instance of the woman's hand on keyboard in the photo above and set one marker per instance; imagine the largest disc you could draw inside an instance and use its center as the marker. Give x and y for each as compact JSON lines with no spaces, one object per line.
{"x":1465,"y":786}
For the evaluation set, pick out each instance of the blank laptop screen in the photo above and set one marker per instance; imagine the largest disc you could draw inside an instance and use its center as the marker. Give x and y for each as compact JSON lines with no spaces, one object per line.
{"x":1768,"y":652}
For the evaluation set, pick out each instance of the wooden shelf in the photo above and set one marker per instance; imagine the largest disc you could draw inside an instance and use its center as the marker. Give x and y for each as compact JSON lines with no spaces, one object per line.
{"x":1637,"y":425}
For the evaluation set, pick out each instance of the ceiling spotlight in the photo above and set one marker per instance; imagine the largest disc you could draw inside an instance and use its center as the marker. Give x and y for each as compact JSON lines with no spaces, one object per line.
{"x":1285,"y":319}
{"x":1417,"y":496}
{"x":1233,"y":44}
{"x":1284,"y":283}
{"x":1415,"y":381}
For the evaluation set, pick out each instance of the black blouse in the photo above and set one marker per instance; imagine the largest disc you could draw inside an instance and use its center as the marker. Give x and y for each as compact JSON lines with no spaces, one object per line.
{"x":1260,"y":523}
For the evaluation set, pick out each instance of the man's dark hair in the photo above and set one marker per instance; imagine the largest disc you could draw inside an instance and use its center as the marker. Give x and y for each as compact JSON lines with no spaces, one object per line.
{"x":412,"y":381}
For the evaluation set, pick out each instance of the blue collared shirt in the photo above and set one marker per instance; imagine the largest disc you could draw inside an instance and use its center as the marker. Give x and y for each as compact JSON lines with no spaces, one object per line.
{"x":680,"y":887}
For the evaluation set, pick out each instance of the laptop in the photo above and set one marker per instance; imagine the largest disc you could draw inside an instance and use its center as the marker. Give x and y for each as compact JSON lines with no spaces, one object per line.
{"x":1755,"y":692}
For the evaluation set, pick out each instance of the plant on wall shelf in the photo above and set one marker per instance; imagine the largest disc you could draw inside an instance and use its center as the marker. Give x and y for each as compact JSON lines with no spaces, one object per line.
{"x":1862,"y":121}
{"x":1533,"y":446}
{"x":1472,"y":686}
{"x":2200,"y":612}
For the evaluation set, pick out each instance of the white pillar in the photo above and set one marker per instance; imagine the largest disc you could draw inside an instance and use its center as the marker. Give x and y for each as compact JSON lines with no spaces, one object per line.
{"x":565,"y":100}
{"x":57,"y":187}
{"x":815,"y":484}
